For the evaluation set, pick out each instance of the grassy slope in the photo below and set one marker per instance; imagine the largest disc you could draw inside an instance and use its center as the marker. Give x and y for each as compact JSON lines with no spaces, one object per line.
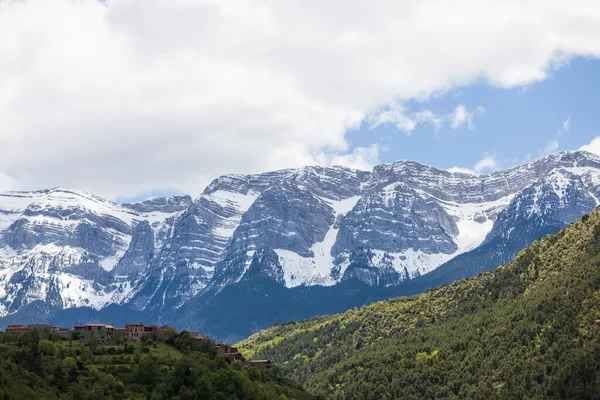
{"x":525,"y":330}
{"x":75,"y":372}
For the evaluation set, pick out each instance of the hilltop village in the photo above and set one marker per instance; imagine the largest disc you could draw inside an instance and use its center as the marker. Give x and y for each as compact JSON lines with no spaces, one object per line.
{"x":97,"y":334}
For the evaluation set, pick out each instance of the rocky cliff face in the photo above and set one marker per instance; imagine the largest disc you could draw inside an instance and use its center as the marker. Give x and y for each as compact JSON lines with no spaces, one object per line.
{"x":68,"y":248}
{"x":300,"y":227}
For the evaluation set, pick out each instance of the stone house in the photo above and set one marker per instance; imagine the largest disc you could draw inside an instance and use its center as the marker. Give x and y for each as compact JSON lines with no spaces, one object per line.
{"x":43,"y":328}
{"x":102,"y":332}
{"x":234,"y":356}
{"x":193,"y":334}
{"x":151,"y":331}
{"x":222,"y":349}
{"x":120,"y":334}
{"x":16,"y":329}
{"x":65,"y":333}
{"x":199,"y":341}
{"x":79,"y":328}
{"x":264,"y":365}
{"x":135,"y":331}
{"x":161,"y":333}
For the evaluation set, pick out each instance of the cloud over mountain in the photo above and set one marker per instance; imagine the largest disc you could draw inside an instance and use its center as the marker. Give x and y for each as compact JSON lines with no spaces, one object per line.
{"x":129,"y":96}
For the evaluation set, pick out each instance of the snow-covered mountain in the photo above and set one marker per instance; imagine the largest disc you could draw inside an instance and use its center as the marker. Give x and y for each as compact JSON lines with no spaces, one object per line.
{"x":297,"y":227}
{"x":69,"y":248}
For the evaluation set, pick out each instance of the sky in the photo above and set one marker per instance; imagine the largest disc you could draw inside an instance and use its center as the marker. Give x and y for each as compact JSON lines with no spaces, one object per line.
{"x":135,"y":98}
{"x":482,"y":128}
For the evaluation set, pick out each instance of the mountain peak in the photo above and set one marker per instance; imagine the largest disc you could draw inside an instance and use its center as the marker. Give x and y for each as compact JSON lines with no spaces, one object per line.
{"x":310,"y":226}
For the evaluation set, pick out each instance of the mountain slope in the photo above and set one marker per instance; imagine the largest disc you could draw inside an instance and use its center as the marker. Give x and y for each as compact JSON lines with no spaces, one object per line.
{"x":68,"y":248}
{"x":301,"y":235}
{"x":527,"y":330}
{"x":543,"y":208}
{"x":384,"y":227}
{"x":565,"y":183}
{"x":41,"y":366}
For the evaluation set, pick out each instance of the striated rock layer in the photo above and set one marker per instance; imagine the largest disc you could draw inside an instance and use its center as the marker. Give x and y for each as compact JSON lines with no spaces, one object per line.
{"x":297,"y":227}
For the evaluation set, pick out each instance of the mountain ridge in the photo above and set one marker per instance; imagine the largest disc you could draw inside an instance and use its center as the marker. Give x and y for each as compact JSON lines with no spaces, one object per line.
{"x":393,"y":229}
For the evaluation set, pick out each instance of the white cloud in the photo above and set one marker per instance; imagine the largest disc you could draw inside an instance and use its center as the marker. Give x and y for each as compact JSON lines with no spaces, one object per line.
{"x":131,"y":96}
{"x":567,"y":124}
{"x":397,"y":115}
{"x":462,"y":116}
{"x":593,"y":146}
{"x":364,"y":158}
{"x":488,"y":162}
{"x":551,"y":147}
{"x":461,"y":170}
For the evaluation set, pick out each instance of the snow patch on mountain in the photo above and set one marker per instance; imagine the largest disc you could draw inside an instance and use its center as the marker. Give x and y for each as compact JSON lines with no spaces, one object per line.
{"x":78,"y":292}
{"x":590,"y":176}
{"x":342,"y":207}
{"x":109,"y":263}
{"x":415,"y":262}
{"x":239,"y":203}
{"x":12,"y":204}
{"x":246,"y":263}
{"x":46,"y":279}
{"x":316,"y":270}
{"x":474,"y":220}
{"x":61,"y":197}
{"x":298,"y":270}
{"x":560,"y":183}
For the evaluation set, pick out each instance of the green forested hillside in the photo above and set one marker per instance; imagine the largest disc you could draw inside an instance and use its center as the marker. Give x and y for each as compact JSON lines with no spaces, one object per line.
{"x":527,"y":330}
{"x":38,"y":368}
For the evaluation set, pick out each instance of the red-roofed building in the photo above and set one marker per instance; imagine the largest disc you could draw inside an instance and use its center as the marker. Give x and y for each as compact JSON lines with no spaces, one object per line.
{"x":16,"y":329}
